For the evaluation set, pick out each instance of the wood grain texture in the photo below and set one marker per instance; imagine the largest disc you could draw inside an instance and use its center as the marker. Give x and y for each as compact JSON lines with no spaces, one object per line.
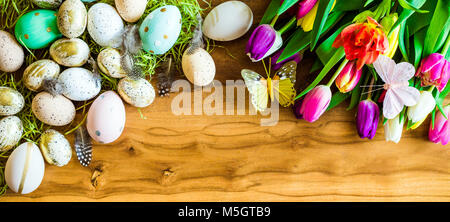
{"x":232,"y":158}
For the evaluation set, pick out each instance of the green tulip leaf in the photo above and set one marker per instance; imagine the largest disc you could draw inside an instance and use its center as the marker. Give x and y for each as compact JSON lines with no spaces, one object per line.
{"x":409,"y":6}
{"x":286,"y":5}
{"x":441,"y":17}
{"x":367,"y":2}
{"x":323,"y":10}
{"x":337,"y":99}
{"x":348,"y":5}
{"x":271,"y":12}
{"x":419,"y":38}
{"x":406,"y":13}
{"x":403,"y":41}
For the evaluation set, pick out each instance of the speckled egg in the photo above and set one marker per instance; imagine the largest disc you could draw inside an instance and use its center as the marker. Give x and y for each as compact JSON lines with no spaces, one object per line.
{"x":37,"y":29}
{"x":11,"y":101}
{"x":131,"y":10}
{"x":105,"y":25}
{"x":136,"y":92}
{"x":11,"y":130}
{"x":25,"y":168}
{"x":107,"y":107}
{"x":79,"y":84}
{"x":109,"y":62}
{"x":53,"y":110}
{"x":70,"y":52}
{"x":160,"y":29}
{"x":48,"y":4}
{"x":11,"y":53}
{"x":228,"y":21}
{"x":35,"y":74}
{"x":72,"y":18}
{"x":198,"y":67}
{"x":55,"y":148}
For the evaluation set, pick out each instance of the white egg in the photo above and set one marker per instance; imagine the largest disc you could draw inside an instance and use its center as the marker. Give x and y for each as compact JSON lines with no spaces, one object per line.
{"x":109,"y":62}
{"x":79,"y":84}
{"x":106,"y":118}
{"x":70,"y":52}
{"x":25,"y":168}
{"x":198,"y":67}
{"x":228,"y":21}
{"x":35,"y":74}
{"x":11,"y":130}
{"x":136,"y":92}
{"x":53,"y":110}
{"x":11,"y":101}
{"x":55,"y":148}
{"x":105,"y":25}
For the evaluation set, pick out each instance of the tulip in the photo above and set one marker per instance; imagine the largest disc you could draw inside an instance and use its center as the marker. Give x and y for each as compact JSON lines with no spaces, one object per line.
{"x":440,"y":133}
{"x":302,"y":8}
{"x":348,"y":78}
{"x":363,"y":42}
{"x":419,"y":112}
{"x":393,"y":129}
{"x":434,"y":70}
{"x":367,"y":119}
{"x":296,"y":108}
{"x":306,"y":17}
{"x":264,"y":41}
{"x":297,"y":57}
{"x":315,"y":103}
{"x":393,"y":39}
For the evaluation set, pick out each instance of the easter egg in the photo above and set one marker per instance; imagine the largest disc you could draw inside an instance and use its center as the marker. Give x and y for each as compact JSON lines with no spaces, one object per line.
{"x":131,"y":10}
{"x":11,"y":101}
{"x":105,"y":25}
{"x":11,"y":53}
{"x":11,"y":130}
{"x":48,"y":4}
{"x":136,"y":92}
{"x":70,"y":52}
{"x":55,"y":148}
{"x":106,"y":118}
{"x":228,"y":21}
{"x":35,"y":74}
{"x":160,"y":29}
{"x":24,"y":168}
{"x":109,"y":62}
{"x":72,"y":18}
{"x":37,"y":29}
{"x":79,"y":84}
{"x":53,"y":110}
{"x":198,"y":66}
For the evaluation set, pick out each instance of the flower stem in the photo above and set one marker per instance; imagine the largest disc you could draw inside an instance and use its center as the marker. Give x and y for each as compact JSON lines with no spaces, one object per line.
{"x":274,"y":20}
{"x":446,"y":46}
{"x":369,"y":94}
{"x":287,"y":26}
{"x":338,"y":71}
{"x":431,"y":89}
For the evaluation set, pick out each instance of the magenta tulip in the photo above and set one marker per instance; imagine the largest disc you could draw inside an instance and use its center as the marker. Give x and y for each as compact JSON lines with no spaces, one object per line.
{"x":434,"y":71}
{"x":301,"y":8}
{"x":296,"y":109}
{"x":441,"y":131}
{"x":297,"y":57}
{"x":264,"y":41}
{"x":367,"y":119}
{"x":348,"y":78}
{"x":316,"y":103}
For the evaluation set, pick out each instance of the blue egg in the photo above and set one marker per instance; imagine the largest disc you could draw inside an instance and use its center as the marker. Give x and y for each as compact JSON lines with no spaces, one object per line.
{"x":160,"y":29}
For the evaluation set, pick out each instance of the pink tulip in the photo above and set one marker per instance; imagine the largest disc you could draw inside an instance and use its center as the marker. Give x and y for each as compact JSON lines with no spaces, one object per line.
{"x":441,"y":131}
{"x":348,"y":78}
{"x":434,"y":71}
{"x":301,"y":8}
{"x":315,"y":103}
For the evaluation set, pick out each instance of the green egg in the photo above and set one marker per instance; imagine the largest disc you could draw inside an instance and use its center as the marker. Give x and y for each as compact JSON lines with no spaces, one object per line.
{"x":37,"y":29}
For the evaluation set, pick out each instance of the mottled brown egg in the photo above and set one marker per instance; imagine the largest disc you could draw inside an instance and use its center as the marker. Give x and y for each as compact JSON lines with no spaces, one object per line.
{"x":55,"y":148}
{"x":70,"y":52}
{"x":53,"y":110}
{"x":11,"y":53}
{"x":108,"y":61}
{"x":136,"y":92}
{"x":11,"y":130}
{"x":131,"y":10}
{"x":35,"y":74}
{"x":72,"y":18}
{"x":11,"y":101}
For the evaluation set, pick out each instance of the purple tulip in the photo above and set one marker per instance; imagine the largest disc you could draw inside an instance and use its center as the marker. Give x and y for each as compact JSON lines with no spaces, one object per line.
{"x":264,"y":41}
{"x":296,"y":108}
{"x":297,"y":57}
{"x":367,"y":119}
{"x":316,"y":103}
{"x":434,"y":71}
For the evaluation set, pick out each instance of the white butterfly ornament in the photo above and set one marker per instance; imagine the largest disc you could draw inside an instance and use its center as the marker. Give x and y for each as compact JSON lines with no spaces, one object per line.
{"x":396,"y":77}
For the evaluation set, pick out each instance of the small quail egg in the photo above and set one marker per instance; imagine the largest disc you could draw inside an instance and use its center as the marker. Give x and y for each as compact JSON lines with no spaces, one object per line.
{"x":79,"y":84}
{"x":11,"y":101}
{"x":55,"y":148}
{"x":53,"y":110}
{"x":72,"y":18}
{"x":137,"y":92}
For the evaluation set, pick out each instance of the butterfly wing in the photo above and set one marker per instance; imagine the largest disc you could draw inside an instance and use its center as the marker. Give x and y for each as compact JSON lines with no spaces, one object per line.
{"x":288,"y":71}
{"x":397,"y":98}
{"x":385,"y":68}
{"x":284,"y":92}
{"x":256,"y":88}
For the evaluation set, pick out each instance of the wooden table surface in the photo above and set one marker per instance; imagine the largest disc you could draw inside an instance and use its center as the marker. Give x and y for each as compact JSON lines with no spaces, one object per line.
{"x":232,"y":158}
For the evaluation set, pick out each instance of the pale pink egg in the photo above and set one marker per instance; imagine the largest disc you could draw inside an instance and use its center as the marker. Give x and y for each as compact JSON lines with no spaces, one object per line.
{"x":106,"y":118}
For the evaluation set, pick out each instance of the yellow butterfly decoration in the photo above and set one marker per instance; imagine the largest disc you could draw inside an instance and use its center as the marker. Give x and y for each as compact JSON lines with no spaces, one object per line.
{"x":280,"y":87}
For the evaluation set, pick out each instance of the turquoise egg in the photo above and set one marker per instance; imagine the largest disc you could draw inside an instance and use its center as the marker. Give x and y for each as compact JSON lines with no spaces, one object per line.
{"x":160,"y":29}
{"x":37,"y":29}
